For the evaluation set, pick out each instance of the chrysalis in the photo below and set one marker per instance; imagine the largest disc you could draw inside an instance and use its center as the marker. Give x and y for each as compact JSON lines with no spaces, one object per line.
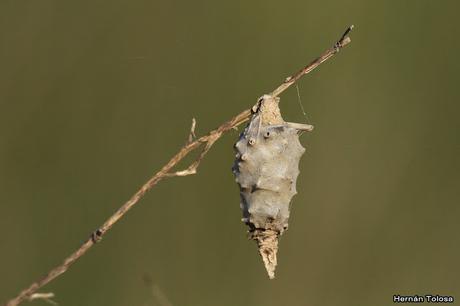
{"x":266,"y":169}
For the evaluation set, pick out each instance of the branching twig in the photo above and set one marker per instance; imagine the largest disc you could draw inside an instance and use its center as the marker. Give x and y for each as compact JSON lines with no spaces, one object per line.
{"x":192,"y":144}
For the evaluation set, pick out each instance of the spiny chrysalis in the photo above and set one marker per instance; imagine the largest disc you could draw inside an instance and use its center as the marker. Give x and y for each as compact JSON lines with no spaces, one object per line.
{"x":266,"y":169}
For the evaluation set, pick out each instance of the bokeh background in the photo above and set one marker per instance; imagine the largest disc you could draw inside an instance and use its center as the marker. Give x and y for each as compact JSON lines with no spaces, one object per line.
{"x":95,"y":96}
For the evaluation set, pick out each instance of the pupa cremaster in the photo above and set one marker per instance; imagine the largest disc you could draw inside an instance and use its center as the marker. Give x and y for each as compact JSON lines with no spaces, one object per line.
{"x":266,"y":168}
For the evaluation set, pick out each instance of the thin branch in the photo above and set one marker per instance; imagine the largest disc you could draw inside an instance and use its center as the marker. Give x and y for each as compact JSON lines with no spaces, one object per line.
{"x":342,"y":42}
{"x":207,"y":140}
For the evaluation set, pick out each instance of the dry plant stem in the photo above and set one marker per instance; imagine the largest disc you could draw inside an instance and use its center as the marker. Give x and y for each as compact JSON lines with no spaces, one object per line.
{"x":342,"y":42}
{"x":207,"y":140}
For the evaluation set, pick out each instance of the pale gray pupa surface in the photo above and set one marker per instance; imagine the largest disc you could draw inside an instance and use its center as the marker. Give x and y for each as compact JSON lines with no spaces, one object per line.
{"x":266,"y":169}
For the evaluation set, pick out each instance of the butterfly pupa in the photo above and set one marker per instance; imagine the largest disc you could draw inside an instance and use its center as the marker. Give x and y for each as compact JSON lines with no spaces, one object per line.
{"x":266,"y":167}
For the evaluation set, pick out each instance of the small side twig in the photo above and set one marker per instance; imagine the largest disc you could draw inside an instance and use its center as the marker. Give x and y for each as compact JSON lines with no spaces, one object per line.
{"x":193,"y":144}
{"x":47,"y":297}
{"x":192,"y":136}
{"x":192,"y":168}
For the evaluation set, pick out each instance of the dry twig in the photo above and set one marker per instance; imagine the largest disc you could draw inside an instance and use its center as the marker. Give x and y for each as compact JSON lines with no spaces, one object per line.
{"x":206,"y":141}
{"x":47,"y":297}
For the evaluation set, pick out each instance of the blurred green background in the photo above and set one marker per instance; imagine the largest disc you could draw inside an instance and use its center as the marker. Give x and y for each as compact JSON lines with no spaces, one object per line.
{"x":96,"y":96}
